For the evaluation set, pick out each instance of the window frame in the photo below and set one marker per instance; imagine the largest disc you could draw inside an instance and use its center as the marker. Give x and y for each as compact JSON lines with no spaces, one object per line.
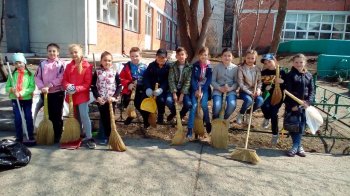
{"x":131,"y":21}
{"x":106,"y":5}
{"x":159,"y":34}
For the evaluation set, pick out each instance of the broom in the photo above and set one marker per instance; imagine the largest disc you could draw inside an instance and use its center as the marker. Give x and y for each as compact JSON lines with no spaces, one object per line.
{"x":219,"y":134}
{"x":45,"y":133}
{"x":179,"y":137}
{"x":130,"y":110}
{"x":71,"y":127}
{"x":152,"y":118}
{"x":198,"y":127}
{"x":277,"y":93}
{"x":245,"y":154}
{"x":115,"y":141}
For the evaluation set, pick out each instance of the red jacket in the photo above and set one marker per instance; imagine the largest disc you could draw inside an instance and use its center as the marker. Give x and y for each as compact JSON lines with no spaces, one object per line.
{"x":81,"y":81}
{"x":125,"y":79}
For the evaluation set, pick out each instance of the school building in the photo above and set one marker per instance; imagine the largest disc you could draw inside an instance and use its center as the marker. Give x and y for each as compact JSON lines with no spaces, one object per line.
{"x":98,"y":25}
{"x":305,"y":20}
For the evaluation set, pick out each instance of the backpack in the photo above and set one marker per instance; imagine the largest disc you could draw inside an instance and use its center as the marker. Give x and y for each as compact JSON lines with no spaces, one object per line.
{"x":13,"y":154}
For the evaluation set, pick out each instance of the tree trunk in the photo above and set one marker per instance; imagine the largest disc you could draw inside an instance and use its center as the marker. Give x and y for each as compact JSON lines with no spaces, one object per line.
{"x":282,"y":9}
{"x":264,"y":25}
{"x":256,"y":24}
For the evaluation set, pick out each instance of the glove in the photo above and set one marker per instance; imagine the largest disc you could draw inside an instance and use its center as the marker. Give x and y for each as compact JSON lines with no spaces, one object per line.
{"x":149,"y":92}
{"x":157,"y":92}
{"x":71,"y":89}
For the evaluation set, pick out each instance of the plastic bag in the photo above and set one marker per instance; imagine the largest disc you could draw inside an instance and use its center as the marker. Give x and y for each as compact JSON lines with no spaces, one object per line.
{"x":313,"y":119}
{"x":13,"y":154}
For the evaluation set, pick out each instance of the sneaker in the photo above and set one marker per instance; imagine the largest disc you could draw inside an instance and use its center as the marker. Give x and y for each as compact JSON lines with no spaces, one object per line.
{"x":239,"y":119}
{"x":128,"y":121}
{"x":189,"y":133}
{"x":292,"y":152}
{"x":104,"y":142}
{"x":170,"y":117}
{"x":265,"y":123}
{"x":160,"y":120}
{"x":274,"y":140}
{"x":301,"y":152}
{"x":91,"y":143}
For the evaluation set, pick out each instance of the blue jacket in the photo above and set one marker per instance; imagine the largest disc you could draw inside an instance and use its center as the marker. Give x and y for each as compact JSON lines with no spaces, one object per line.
{"x":154,"y":74}
{"x":196,"y":72}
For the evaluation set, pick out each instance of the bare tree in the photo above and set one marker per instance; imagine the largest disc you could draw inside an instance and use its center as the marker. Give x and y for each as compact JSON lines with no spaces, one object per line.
{"x":191,"y":36}
{"x":282,"y":9}
{"x":265,"y":22}
{"x":259,"y":2}
{"x":238,"y":19}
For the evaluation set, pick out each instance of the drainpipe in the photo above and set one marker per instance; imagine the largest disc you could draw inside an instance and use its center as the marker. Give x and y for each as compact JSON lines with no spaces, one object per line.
{"x":86,"y":46}
{"x":122,"y":25}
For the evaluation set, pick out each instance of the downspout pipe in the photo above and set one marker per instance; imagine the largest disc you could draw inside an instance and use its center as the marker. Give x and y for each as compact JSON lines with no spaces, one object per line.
{"x":122,"y":25}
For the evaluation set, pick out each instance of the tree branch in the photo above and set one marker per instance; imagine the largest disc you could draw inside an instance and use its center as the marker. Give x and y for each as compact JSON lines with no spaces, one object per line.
{"x":208,"y":11}
{"x":282,"y":9}
{"x":265,"y":22}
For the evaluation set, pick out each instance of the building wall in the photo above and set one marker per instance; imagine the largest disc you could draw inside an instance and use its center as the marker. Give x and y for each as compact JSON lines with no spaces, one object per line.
{"x":62,"y":22}
{"x":250,"y":6}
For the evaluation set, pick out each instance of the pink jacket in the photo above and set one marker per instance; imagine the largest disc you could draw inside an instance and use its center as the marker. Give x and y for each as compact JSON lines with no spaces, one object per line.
{"x":50,"y":74}
{"x":81,"y":81}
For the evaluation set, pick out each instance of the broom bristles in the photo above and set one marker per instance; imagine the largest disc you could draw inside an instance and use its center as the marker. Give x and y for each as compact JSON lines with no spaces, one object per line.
{"x":45,"y":134}
{"x":71,"y":130}
{"x":130,"y":110}
{"x":219,"y":135}
{"x":152,"y":119}
{"x":198,"y":127}
{"x":276,"y":95}
{"x":179,"y":137}
{"x":115,"y":142}
{"x":245,"y":155}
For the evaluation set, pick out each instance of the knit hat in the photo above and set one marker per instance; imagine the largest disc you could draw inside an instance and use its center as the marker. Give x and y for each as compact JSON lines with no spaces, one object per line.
{"x":19,"y":57}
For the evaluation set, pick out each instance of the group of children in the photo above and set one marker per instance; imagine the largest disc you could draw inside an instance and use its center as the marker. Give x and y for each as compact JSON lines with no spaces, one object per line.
{"x":179,"y":82}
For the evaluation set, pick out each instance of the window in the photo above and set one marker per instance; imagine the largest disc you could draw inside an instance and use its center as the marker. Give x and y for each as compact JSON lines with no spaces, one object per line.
{"x":107,"y":12}
{"x":174,"y":33}
{"x":148,"y":14}
{"x":131,"y":15}
{"x":316,"y":26}
{"x":168,"y":30}
{"x":159,"y":26}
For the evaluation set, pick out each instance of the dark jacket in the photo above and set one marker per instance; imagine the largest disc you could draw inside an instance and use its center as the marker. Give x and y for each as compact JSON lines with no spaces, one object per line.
{"x":196,"y":72}
{"x":267,"y":77}
{"x":300,"y":85}
{"x":154,"y":74}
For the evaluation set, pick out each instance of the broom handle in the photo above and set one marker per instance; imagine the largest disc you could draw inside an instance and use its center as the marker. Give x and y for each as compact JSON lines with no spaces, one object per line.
{"x":21,"y":113}
{"x":71,"y":109}
{"x":133,"y":92}
{"x":294,"y":97}
{"x":46,"y":107}
{"x":223,"y":105}
{"x":178,"y":118}
{"x":111,"y":113}
{"x":199,"y":99}
{"x":250,"y":116}
{"x":277,"y":75}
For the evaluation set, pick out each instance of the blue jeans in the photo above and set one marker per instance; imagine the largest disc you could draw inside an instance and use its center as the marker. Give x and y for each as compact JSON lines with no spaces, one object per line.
{"x":296,"y":137}
{"x":26,"y":105}
{"x":271,"y":112}
{"x":204,"y":105}
{"x":230,"y":105}
{"x":187,"y":104}
{"x":84,"y":118}
{"x":248,"y":100}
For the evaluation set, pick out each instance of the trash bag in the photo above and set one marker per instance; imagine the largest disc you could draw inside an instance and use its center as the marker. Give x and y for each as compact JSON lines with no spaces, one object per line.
{"x":13,"y":154}
{"x":313,"y":119}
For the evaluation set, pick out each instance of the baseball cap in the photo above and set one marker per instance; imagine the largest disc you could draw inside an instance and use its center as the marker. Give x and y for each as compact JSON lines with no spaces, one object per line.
{"x":162,"y":52}
{"x":268,"y":56}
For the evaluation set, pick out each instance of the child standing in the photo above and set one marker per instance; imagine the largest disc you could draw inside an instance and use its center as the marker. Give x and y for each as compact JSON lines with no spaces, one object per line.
{"x":224,"y":80}
{"x":131,"y":77}
{"x":157,"y":72}
{"x":106,"y":88}
{"x":22,"y":88}
{"x":300,"y":83}
{"x":248,"y":74}
{"x":270,"y":111}
{"x":77,"y":80}
{"x":200,"y":87}
{"x":48,"y":79}
{"x":179,"y":86}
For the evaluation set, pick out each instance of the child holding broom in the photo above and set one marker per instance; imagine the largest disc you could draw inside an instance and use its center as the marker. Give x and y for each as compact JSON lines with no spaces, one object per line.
{"x":131,"y":77}
{"x":179,"y":86}
{"x":299,"y":82}
{"x":106,"y":88}
{"x":248,"y":74}
{"x":269,"y":109}
{"x":224,"y":80}
{"x":200,"y":87}
{"x":77,"y":80}
{"x":21,"y":86}
{"x":48,"y":78}
{"x":157,"y":72}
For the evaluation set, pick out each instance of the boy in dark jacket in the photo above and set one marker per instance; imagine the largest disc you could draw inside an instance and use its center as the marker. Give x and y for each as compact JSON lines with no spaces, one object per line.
{"x":157,"y":72}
